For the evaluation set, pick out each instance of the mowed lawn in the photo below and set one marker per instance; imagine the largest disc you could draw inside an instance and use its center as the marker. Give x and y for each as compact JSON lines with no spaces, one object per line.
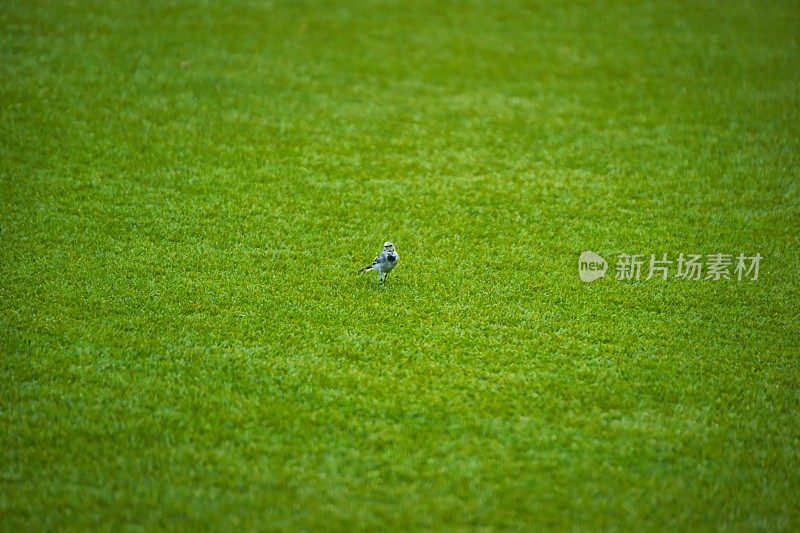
{"x":188,"y":189}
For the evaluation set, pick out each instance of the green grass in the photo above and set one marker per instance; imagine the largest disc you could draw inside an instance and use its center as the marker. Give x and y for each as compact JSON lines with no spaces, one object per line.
{"x":189,"y":188}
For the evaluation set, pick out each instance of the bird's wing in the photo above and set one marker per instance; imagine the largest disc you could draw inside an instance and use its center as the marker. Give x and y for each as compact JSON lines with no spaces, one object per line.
{"x":380,"y":258}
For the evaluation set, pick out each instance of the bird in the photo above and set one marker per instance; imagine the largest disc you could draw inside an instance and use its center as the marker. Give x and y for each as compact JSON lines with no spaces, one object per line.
{"x":384,"y":262}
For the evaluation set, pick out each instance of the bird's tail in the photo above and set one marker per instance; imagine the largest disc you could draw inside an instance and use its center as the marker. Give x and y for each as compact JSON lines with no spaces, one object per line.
{"x":365,"y":269}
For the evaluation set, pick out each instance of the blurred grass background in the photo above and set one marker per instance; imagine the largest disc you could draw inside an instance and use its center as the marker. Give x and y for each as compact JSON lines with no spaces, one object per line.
{"x":188,"y":189}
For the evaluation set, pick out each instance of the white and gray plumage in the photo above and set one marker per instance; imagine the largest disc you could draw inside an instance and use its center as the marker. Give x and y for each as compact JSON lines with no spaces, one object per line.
{"x":384,"y":263}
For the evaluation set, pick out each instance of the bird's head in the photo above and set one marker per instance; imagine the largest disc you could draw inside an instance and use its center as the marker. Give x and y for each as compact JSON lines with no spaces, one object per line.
{"x":388,"y":246}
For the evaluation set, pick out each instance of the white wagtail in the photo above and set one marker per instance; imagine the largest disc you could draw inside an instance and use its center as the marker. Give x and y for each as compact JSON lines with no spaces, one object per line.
{"x":384,"y":263}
